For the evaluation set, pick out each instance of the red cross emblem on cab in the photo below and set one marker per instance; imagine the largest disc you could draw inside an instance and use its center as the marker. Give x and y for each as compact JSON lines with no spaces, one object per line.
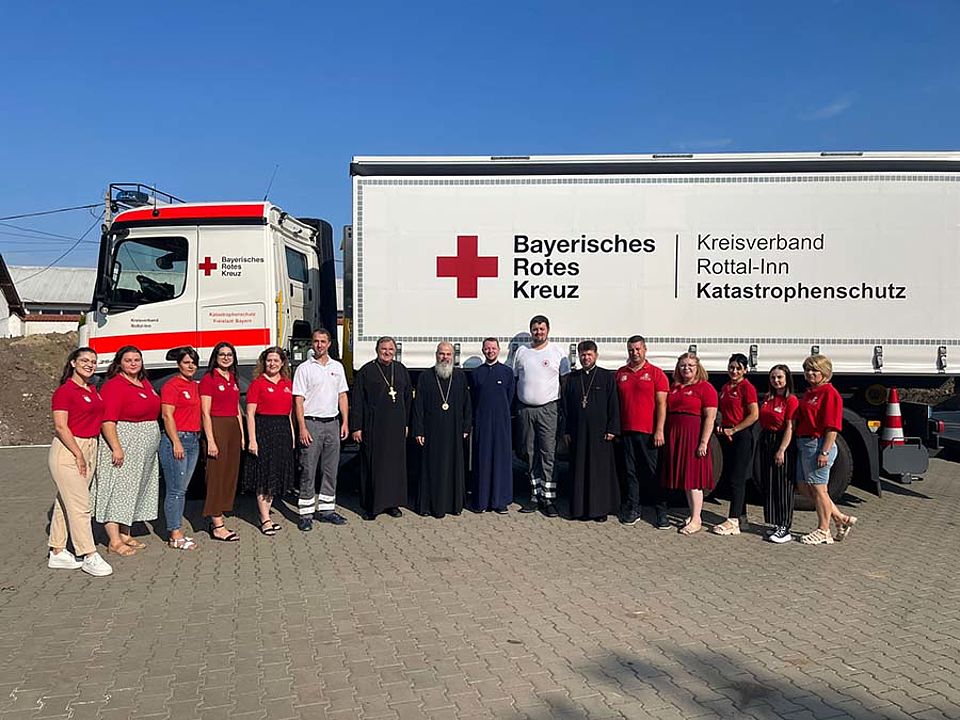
{"x":467,"y":266}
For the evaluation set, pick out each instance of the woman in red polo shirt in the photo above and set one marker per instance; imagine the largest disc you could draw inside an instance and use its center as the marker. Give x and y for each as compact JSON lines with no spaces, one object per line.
{"x":738,"y":411}
{"x":223,"y":428}
{"x":127,"y":485}
{"x":180,"y":443}
{"x":77,"y":414}
{"x":776,"y":462}
{"x":686,"y":462}
{"x":270,"y":466}
{"x":819,"y":419}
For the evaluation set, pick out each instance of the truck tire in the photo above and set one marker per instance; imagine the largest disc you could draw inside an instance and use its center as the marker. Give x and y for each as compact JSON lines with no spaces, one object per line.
{"x":840,"y":475}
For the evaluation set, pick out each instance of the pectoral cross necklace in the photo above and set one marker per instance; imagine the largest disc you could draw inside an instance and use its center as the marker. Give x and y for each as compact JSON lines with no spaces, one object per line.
{"x":444,"y":404}
{"x":585,"y":392}
{"x":391,"y":392}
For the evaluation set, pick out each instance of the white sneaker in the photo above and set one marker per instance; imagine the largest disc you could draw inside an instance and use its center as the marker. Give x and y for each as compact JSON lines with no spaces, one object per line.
{"x":95,"y":565}
{"x":63,"y":560}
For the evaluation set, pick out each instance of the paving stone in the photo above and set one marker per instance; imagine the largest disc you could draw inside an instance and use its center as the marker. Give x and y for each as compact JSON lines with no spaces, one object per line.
{"x":470,"y":618}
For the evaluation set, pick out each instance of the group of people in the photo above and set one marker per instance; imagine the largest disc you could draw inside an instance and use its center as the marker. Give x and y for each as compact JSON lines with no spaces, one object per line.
{"x":108,"y":447}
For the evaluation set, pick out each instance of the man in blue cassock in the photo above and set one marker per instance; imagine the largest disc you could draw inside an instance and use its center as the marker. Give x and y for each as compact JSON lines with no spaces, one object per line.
{"x":492,"y":385}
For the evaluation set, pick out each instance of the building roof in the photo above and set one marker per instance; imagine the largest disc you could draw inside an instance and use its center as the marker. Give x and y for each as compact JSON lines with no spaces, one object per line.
{"x":56,"y":285}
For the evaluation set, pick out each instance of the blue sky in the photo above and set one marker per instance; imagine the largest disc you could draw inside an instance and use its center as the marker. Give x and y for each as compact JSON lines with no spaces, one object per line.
{"x":204,"y":99}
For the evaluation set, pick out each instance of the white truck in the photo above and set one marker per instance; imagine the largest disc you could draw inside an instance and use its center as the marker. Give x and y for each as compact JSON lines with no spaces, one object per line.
{"x":854,"y":255}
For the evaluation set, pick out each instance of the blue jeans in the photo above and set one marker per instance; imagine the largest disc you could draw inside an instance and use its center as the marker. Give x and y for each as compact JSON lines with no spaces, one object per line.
{"x":177,"y":474}
{"x":808,"y":450}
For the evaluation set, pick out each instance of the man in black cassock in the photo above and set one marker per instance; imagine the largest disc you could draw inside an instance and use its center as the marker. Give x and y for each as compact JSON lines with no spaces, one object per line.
{"x":379,"y":417}
{"x":442,"y":419}
{"x":591,"y":416}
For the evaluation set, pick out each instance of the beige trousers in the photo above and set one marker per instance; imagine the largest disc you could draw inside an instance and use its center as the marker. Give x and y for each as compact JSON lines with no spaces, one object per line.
{"x":71,"y":508}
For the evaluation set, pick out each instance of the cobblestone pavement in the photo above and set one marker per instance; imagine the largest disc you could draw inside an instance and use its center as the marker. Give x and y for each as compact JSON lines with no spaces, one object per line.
{"x":511,"y":616}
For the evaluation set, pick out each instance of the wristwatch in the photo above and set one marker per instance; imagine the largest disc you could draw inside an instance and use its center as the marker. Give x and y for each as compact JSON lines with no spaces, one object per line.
{"x":825,"y":453}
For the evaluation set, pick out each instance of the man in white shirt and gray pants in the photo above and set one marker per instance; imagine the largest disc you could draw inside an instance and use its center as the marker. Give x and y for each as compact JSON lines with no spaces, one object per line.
{"x":320,"y":394}
{"x":538,"y":368}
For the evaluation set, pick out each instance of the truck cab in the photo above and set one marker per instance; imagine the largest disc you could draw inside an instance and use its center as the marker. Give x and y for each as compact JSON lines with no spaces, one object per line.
{"x":197,"y":274}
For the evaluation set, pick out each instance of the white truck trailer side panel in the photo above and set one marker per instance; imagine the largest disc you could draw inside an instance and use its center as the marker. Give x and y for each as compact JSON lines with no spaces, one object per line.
{"x":845,"y":261}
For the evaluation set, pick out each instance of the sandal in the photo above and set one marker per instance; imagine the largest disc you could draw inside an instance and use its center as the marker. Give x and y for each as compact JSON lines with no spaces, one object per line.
{"x":123,"y":550}
{"x":182,"y":543}
{"x":269,"y":528}
{"x":135,"y":544}
{"x":845,"y":525}
{"x":730,"y":526}
{"x":817,"y":537}
{"x":690,"y":529}
{"x":232,"y":537}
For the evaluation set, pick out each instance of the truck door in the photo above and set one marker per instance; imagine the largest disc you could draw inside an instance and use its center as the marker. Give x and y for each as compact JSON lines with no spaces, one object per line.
{"x":300,"y":292}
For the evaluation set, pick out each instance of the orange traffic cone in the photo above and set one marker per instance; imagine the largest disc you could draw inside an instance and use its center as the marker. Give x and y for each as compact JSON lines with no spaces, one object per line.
{"x":892,"y":431}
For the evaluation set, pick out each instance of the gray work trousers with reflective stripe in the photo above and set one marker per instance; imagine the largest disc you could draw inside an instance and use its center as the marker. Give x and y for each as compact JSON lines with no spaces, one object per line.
{"x":325,"y":452}
{"x":538,"y":425}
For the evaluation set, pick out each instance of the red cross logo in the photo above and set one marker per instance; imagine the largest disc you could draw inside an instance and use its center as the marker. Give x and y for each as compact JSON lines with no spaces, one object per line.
{"x":207,"y":266}
{"x":467,"y":266}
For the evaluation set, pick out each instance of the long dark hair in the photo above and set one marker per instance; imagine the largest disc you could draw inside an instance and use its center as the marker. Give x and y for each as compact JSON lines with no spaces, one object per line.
{"x":114,"y":368}
{"x":787,"y":389}
{"x":212,"y":365}
{"x":68,"y":366}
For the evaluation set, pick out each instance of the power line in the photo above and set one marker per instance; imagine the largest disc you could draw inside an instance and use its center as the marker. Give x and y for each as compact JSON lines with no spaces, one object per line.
{"x":68,"y":238}
{"x":51,"y":212}
{"x":67,"y":252}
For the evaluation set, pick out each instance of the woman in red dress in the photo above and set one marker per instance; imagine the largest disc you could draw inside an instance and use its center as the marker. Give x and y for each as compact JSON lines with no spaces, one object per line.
{"x":691,"y":411}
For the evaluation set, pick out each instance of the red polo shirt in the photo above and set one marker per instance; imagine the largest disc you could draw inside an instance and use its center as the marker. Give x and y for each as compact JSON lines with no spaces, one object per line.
{"x":777,"y":411}
{"x":820,"y":410}
{"x":734,"y":399}
{"x":83,"y":405}
{"x":271,"y":398}
{"x":184,"y":395}
{"x":691,"y":399}
{"x":638,"y":389}
{"x":224,"y":394}
{"x":125,"y":402}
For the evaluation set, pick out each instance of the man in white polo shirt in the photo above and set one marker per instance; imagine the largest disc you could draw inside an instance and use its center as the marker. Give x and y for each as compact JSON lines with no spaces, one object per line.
{"x":320,"y":393}
{"x":539,"y":367}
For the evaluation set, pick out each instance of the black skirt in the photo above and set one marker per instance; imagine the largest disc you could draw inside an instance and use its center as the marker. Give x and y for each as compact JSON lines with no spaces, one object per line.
{"x":271,"y":470}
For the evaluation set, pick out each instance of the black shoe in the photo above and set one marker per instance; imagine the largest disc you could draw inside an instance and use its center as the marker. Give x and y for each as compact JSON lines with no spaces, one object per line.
{"x":549,"y":509}
{"x":334,"y":518}
{"x":394,"y":512}
{"x":663,"y":520}
{"x":629,"y":518}
{"x":601,"y":518}
{"x":305,"y":524}
{"x":369,"y":516}
{"x":528,"y":507}
{"x":501,"y":511}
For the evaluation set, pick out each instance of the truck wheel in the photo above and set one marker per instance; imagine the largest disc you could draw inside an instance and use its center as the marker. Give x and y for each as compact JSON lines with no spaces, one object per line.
{"x":840,"y":475}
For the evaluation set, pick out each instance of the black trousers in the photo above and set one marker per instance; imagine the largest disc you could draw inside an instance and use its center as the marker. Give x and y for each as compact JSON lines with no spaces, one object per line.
{"x":778,"y":480}
{"x":640,"y":459}
{"x":737,"y":462}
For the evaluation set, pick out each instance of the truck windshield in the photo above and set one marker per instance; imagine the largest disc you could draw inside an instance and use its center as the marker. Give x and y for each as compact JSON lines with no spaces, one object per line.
{"x":147,"y":270}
